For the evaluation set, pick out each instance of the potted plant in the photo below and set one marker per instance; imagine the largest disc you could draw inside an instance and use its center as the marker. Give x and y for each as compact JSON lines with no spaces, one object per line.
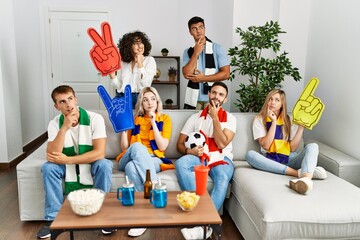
{"x":264,"y":73}
{"x":164,"y":52}
{"x":168,"y":102}
{"x":172,"y":73}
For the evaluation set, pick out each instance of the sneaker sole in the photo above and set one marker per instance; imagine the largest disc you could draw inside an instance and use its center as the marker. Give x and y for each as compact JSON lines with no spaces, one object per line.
{"x":107,"y":232}
{"x":299,"y":186}
{"x":189,"y":236}
{"x":137,"y":234}
{"x":43,"y":237}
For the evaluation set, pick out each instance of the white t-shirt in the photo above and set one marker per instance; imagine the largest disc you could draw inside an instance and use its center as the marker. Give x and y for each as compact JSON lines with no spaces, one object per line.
{"x":193,"y":124}
{"x":97,"y":126}
{"x":127,"y":75}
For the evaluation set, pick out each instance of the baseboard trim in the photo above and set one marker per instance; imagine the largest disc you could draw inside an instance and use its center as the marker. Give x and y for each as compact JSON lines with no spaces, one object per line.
{"x":33,"y":145}
{"x":27,"y":150}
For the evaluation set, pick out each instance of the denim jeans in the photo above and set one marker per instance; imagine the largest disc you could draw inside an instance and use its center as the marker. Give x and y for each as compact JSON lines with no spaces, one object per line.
{"x":135,"y":161}
{"x":221,"y":176}
{"x":306,"y":160}
{"x":53,"y":175}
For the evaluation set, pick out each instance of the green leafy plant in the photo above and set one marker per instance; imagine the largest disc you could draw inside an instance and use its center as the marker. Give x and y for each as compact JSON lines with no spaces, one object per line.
{"x":172,"y":71}
{"x":264,"y":74}
{"x":164,"y":50}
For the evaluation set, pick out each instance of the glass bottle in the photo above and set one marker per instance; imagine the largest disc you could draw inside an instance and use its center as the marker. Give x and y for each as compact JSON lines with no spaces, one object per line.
{"x":147,"y":185}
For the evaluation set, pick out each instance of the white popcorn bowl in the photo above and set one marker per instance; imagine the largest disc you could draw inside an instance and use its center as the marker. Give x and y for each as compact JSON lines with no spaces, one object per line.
{"x":86,"y":202}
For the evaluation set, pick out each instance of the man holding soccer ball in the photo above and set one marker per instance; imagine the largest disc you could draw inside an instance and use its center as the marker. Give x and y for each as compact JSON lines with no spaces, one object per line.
{"x":219,"y":127}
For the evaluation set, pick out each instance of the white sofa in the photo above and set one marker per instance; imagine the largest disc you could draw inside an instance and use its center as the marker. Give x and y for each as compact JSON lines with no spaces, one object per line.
{"x":260,"y":203}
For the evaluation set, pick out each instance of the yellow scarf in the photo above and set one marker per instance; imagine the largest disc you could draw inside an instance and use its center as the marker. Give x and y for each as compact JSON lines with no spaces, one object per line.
{"x":135,"y":137}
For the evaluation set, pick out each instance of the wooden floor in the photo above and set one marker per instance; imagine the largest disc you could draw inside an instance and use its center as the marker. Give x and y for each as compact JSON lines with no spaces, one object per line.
{"x":11,"y":228}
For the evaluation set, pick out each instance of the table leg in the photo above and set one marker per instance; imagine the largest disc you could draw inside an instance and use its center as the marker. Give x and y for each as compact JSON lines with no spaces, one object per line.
{"x":205,"y":231}
{"x":57,"y":232}
{"x":217,"y":229}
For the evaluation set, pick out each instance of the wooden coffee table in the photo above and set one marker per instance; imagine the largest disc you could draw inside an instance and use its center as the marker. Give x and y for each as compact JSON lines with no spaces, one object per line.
{"x":141,"y":215}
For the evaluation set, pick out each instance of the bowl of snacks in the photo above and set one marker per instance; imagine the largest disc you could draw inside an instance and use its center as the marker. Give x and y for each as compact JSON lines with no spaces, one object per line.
{"x":86,"y":202}
{"x":187,"y":201}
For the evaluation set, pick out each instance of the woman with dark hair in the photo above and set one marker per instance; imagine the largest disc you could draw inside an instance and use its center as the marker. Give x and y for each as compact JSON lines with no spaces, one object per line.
{"x":137,"y":67}
{"x":279,"y":139}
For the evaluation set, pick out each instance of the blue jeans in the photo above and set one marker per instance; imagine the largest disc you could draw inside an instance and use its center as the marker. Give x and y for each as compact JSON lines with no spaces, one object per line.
{"x":221,"y":176}
{"x":306,"y":160}
{"x":53,"y":175}
{"x":135,"y":161}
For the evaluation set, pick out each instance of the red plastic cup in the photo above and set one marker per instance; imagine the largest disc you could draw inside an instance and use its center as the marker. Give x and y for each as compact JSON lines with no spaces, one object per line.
{"x":201,"y":179}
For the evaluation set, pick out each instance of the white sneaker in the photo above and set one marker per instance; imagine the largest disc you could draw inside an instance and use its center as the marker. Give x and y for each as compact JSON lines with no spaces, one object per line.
{"x":319,"y":173}
{"x":108,"y":231}
{"x":301,"y":185}
{"x":135,"y":232}
{"x":195,"y":233}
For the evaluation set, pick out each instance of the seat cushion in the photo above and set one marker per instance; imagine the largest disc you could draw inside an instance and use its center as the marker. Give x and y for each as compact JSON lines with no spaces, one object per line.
{"x":330,"y":210}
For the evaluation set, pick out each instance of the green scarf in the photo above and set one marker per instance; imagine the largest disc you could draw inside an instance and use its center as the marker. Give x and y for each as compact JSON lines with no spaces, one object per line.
{"x":78,"y":176}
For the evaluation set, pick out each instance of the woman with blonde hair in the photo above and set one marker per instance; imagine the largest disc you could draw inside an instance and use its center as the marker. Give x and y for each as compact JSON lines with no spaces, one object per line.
{"x":279,"y":139}
{"x":144,"y":146}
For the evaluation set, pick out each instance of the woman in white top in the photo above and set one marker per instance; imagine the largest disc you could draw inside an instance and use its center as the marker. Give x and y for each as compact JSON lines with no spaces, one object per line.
{"x":280,"y":139}
{"x":137,"y":67}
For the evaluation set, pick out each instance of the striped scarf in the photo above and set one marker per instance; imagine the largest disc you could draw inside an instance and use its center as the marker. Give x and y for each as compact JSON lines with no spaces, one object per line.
{"x":135,"y":137}
{"x":212,"y":153}
{"x":279,"y":149}
{"x":78,"y":176}
{"x":192,"y":89}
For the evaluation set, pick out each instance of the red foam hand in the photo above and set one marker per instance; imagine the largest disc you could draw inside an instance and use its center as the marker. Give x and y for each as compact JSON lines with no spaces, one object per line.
{"x":104,"y":54}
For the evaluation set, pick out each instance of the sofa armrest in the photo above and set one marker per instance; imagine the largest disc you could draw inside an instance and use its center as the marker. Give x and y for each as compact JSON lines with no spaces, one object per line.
{"x":338,"y":163}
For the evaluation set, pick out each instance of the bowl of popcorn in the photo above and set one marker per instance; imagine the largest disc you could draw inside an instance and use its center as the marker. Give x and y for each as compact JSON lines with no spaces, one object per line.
{"x":187,"y":200}
{"x":86,"y":202}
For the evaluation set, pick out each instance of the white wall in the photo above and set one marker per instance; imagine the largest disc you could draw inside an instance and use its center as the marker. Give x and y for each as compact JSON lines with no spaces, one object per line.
{"x":30,"y":64}
{"x":294,"y":41}
{"x":10,"y":124}
{"x":3,"y":141}
{"x":333,"y":57}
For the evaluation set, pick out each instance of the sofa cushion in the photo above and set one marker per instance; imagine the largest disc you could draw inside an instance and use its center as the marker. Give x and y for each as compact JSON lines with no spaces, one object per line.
{"x":243,"y":140}
{"x":330,"y":210}
{"x":338,"y":163}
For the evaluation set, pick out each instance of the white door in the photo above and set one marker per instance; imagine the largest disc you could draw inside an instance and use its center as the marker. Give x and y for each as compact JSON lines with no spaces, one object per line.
{"x":70,"y":60}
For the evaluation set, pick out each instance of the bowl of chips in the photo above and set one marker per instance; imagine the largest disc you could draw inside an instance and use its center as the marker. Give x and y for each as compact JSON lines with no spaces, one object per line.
{"x":187,"y":201}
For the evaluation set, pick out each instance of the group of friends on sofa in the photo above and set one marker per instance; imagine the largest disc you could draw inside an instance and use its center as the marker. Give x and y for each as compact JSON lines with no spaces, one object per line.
{"x":77,"y":137}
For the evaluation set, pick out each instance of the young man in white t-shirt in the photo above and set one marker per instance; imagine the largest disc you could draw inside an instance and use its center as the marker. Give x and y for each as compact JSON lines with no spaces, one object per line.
{"x":66,"y":131}
{"x":219,"y":127}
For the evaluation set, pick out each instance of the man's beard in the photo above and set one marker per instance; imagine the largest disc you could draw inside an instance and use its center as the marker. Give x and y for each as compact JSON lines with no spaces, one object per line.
{"x":217,"y":102}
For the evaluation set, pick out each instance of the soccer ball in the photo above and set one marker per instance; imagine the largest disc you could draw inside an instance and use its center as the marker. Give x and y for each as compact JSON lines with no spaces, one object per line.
{"x":194,"y":139}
